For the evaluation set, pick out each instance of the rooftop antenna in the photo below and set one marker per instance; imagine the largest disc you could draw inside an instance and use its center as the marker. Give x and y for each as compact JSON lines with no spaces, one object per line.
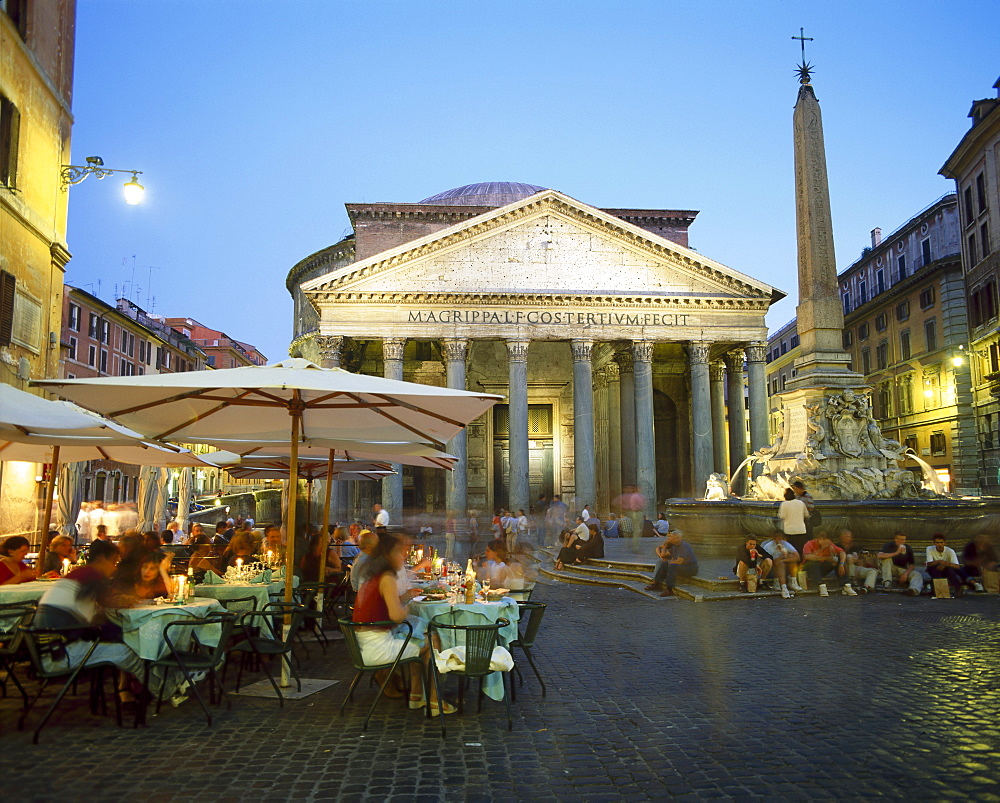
{"x":150,"y":298}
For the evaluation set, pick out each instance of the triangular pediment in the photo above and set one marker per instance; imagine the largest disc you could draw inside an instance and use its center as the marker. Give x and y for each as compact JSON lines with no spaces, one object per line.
{"x":547,"y":243}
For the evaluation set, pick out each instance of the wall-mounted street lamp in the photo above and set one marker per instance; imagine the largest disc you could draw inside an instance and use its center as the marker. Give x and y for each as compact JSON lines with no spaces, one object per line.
{"x":74,"y":174}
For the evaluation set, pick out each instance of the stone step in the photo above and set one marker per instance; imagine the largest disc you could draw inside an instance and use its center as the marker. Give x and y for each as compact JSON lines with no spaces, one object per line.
{"x":647,"y":569}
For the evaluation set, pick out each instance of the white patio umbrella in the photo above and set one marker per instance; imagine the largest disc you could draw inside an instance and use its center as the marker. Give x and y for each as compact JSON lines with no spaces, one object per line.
{"x":290,"y":400}
{"x":152,"y":483}
{"x":405,"y":453}
{"x":37,"y":430}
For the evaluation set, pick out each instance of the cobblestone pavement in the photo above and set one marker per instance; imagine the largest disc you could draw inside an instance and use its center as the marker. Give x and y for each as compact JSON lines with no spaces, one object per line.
{"x":807,"y":698}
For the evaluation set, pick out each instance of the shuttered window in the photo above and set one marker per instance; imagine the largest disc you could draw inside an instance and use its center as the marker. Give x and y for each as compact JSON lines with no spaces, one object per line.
{"x":7,"y":287}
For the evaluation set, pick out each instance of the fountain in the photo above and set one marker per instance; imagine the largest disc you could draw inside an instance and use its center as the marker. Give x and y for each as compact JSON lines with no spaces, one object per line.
{"x":829,"y":438}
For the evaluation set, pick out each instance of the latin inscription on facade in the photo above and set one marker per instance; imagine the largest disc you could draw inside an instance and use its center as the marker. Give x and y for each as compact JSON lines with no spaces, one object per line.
{"x":547,"y":317}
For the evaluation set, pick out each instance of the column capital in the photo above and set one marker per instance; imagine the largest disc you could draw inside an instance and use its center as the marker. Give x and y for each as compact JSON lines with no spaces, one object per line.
{"x":716,"y":371}
{"x":625,"y":362}
{"x":329,"y":350}
{"x":455,"y":348}
{"x":734,"y":359}
{"x":757,"y":351}
{"x":600,"y":379}
{"x":612,"y":371}
{"x":642,"y":350}
{"x":392,"y":348}
{"x":698,"y":353}
{"x":517,"y":350}
{"x":582,"y":349}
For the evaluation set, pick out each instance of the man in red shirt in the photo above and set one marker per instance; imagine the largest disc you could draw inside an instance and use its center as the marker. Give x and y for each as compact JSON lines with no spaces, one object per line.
{"x":821,"y":557}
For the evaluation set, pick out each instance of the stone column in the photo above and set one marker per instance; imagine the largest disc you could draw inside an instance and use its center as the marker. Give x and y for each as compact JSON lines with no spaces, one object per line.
{"x":330,"y":350}
{"x":701,"y":416}
{"x":645,"y":443}
{"x":737,"y":415}
{"x":583,"y":423}
{"x":626,"y":372}
{"x":392,"y":486}
{"x":757,"y":397}
{"x":720,"y":452}
{"x":614,"y":431}
{"x":457,"y":480}
{"x":602,"y":497}
{"x":517,"y":398}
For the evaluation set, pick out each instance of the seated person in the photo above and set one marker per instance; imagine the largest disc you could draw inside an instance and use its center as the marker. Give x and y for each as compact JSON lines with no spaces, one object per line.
{"x":151,"y":540}
{"x":979,"y":556}
{"x":574,"y":544}
{"x":942,"y":564}
{"x":367,"y":541}
{"x":131,"y":554}
{"x":899,"y":563}
{"x":750,"y":556}
{"x":202,"y":560}
{"x":595,"y":544}
{"x":241,"y":547}
{"x":60,"y":548}
{"x":13,"y":569}
{"x":378,"y":601}
{"x":272,"y":548}
{"x":785,"y":559}
{"x":821,"y":557}
{"x":676,"y":560}
{"x":152,"y":579}
{"x":223,"y":533}
{"x":310,"y":563}
{"x":344,"y":545}
{"x":494,"y":567}
{"x":76,"y":599}
{"x":611,"y":527}
{"x":857,"y":563}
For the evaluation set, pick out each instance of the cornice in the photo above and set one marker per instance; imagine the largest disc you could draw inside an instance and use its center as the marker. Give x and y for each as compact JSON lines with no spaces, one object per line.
{"x":344,"y":248}
{"x":616,"y":229}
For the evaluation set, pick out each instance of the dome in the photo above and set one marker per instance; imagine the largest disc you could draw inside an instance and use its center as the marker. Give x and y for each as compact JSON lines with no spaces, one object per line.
{"x":487,"y":193}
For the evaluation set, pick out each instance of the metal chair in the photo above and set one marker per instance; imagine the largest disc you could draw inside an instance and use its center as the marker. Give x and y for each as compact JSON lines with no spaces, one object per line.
{"x":50,"y":643}
{"x":349,"y":628}
{"x":277,"y":643}
{"x":306,"y":595}
{"x":188,"y":659}
{"x":526,"y":640}
{"x":12,"y":617}
{"x":479,"y":642}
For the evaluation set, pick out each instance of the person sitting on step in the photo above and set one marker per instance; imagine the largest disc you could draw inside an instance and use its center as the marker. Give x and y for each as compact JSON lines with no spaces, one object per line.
{"x":677,"y":559}
{"x":821,"y":557}
{"x":786,"y":563}
{"x":751,"y":556}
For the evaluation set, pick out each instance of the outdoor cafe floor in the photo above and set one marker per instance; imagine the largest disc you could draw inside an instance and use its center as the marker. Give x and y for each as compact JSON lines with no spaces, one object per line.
{"x":790,"y":699}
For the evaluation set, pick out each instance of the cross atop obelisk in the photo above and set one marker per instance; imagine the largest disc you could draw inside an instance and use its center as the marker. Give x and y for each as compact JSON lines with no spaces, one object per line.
{"x":805,"y":68}
{"x":820,"y":317}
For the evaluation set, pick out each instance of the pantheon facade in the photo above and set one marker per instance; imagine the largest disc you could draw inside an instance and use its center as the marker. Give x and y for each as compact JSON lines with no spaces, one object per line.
{"x":625,"y":357}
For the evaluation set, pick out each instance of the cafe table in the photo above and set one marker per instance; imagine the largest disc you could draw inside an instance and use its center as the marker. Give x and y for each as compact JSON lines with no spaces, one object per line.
{"x":24,"y":592}
{"x":226,"y":591}
{"x":476,"y":613}
{"x":143,"y":625}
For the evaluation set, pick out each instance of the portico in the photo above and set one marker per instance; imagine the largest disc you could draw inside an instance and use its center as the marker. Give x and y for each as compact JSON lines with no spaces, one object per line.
{"x":604,"y":336}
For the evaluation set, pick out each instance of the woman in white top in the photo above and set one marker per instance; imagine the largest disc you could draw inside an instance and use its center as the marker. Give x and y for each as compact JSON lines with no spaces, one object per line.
{"x":793,"y":514}
{"x":494,"y":568}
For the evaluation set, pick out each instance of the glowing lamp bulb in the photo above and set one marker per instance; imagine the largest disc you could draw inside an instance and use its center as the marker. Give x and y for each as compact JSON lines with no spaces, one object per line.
{"x":957,"y":361}
{"x":134,"y":191}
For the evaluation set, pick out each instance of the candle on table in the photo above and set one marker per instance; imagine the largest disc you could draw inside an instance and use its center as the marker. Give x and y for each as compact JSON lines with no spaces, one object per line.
{"x":65,"y":566}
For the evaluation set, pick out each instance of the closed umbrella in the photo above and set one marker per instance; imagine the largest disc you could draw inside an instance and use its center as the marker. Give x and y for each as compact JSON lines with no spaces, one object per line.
{"x":149,"y":490}
{"x":184,"y":498}
{"x":160,"y":510}
{"x":70,"y":498}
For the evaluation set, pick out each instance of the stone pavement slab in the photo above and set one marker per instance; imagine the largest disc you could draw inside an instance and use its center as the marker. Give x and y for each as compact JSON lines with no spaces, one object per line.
{"x":877,"y":696}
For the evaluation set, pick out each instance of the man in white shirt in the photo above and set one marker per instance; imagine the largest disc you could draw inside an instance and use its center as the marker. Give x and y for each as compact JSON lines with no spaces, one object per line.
{"x":381,"y":516}
{"x":785,"y":560}
{"x":942,"y":563}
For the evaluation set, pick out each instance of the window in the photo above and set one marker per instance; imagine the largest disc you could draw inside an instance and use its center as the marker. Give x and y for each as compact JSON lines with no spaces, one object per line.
{"x":903,"y":310}
{"x":866,"y":361}
{"x":932,"y":390}
{"x":8,"y":284}
{"x":74,"y":317}
{"x":71,"y":351}
{"x":848,"y":339}
{"x":862,"y":292}
{"x":880,"y":281}
{"x":105,"y":331}
{"x":882,"y":355}
{"x":128,"y":368}
{"x":94,"y":325}
{"x":938,"y":445}
{"x":880,"y":322}
{"x":911,"y":443}
{"x":901,"y":264}
{"x":104,"y":362}
{"x":121,"y":366}
{"x":906,"y":395}
{"x":847,"y":303}
{"x":981,"y":192}
{"x":927,"y":298}
{"x":925,"y":251}
{"x":970,"y":214}
{"x":784,"y":347}
{"x":983,"y":303}
{"x":884,"y":400}
{"x":784,"y":381}
{"x":92,"y":356}
{"x":984,"y":239}
{"x":904,"y":345}
{"x":930,"y":335}
{"x":17,"y":12}
{"x":988,"y":431}
{"x":10,"y":126}
{"x":128,"y":343}
{"x":795,"y":341}
{"x":971,"y":250}
{"x":863,"y":331}
{"x":994,"y":357}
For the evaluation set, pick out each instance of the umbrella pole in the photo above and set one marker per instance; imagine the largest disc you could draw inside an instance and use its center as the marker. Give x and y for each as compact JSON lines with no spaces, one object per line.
{"x":50,"y":492}
{"x":293,"y":485}
{"x":324,"y":530}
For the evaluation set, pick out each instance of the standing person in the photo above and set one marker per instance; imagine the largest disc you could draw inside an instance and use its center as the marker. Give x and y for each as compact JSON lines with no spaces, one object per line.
{"x":473,"y":533}
{"x":381,"y":516}
{"x":677,"y":559}
{"x":522,"y":529}
{"x":899,"y":562}
{"x":856,"y":564}
{"x":813,"y":519}
{"x":556,"y":517}
{"x":786,"y":563}
{"x":542,"y":512}
{"x":942,"y":563}
{"x":83,"y":524}
{"x":450,"y":528}
{"x":793,"y":513}
{"x":96,"y":518}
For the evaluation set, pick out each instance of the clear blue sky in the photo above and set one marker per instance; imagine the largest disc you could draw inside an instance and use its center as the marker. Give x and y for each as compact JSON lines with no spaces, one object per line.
{"x":256,"y":121}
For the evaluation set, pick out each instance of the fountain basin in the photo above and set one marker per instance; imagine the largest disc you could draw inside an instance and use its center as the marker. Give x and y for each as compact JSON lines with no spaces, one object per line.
{"x":715,"y":529}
